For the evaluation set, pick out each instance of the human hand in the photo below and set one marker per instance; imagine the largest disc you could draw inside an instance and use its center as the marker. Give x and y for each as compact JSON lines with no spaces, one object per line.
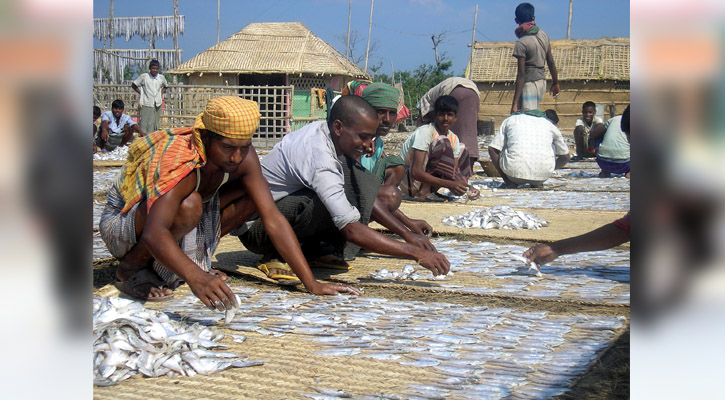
{"x":555,"y":90}
{"x":332,"y":289}
{"x":473,"y":193}
{"x":420,"y":227}
{"x":212,"y":291}
{"x":419,"y":240}
{"x":458,"y":187}
{"x":540,"y":254}
{"x":104,"y":135}
{"x":436,"y":262}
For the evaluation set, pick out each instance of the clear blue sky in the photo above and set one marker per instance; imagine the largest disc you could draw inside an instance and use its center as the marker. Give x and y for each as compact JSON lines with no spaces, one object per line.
{"x":403,"y":28}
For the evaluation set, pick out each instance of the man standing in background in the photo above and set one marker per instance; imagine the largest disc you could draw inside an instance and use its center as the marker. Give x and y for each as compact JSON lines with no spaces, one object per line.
{"x":151,"y":86}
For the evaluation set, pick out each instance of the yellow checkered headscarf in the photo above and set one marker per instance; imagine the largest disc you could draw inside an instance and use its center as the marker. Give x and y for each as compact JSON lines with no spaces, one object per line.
{"x":159,"y":160}
{"x":229,"y":116}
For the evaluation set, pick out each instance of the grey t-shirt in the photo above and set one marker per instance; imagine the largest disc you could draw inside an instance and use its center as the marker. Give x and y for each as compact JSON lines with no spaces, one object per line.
{"x":533,"y":48}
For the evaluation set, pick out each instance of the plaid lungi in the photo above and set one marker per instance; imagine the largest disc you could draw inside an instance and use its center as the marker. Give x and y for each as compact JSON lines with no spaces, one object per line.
{"x":439,"y":162}
{"x":118,"y":232}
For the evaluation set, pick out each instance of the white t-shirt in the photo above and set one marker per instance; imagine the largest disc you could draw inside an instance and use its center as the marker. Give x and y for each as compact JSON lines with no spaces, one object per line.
{"x":421,"y":139}
{"x":528,"y":146}
{"x":151,"y":89}
{"x":588,"y":128}
{"x":615,"y":145}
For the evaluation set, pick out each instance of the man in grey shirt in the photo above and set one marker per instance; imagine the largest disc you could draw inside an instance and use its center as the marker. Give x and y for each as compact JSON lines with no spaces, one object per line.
{"x":313,"y":176}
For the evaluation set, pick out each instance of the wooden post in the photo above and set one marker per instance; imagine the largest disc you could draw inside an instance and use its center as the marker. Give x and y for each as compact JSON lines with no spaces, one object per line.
{"x":176,"y":34}
{"x":112,"y":67}
{"x":370,"y":28}
{"x":349,"y":12}
{"x":473,"y":44}
{"x":568,"y":26}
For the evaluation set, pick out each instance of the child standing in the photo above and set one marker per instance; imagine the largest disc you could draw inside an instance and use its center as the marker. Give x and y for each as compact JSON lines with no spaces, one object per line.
{"x":531,"y":51}
{"x":431,"y":156}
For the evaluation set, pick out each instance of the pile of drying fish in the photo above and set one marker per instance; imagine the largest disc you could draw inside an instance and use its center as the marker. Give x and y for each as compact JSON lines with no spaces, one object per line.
{"x":498,"y":217}
{"x":118,"y":154}
{"x":408,"y":273}
{"x":129,"y":339}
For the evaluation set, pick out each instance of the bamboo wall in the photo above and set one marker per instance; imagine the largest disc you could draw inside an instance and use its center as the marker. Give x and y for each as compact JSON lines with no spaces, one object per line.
{"x":496,"y":98}
{"x":184,"y":102}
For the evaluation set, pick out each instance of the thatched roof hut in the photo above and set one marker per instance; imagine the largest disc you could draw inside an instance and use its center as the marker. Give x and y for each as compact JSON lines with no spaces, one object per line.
{"x":589,"y":69}
{"x":271,"y":48}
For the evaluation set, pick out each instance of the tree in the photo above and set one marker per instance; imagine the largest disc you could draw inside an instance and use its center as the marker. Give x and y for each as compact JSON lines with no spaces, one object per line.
{"x":357,"y":46}
{"x":437,"y":39}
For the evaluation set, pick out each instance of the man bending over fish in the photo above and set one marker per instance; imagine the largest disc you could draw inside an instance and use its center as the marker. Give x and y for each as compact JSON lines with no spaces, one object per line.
{"x":327,"y":196}
{"x":179,"y":192}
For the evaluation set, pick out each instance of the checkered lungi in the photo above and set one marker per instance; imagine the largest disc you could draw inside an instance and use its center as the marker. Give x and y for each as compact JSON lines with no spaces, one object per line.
{"x":119,"y":233}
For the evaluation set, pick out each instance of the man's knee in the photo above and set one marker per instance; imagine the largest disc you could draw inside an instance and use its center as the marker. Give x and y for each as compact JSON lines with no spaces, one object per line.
{"x":579,"y":132}
{"x":189,"y":213}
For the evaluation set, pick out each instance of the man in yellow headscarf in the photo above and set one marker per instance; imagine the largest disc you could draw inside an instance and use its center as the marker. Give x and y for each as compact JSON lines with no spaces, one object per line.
{"x":179,"y":192}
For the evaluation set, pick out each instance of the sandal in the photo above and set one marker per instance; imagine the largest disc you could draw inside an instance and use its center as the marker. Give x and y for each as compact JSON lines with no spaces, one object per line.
{"x":282,"y":279}
{"x":145,"y":276}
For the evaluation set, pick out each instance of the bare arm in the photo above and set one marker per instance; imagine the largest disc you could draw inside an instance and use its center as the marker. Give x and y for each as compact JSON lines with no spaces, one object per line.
{"x":555,"y":90}
{"x":138,"y":130}
{"x":520,"y":80}
{"x":602,"y":238}
{"x":104,"y":131}
{"x":160,"y":242}
{"x":418,"y":173}
{"x":136,"y":88}
{"x":597,"y":132}
{"x":384,"y":217}
{"x":561,"y":161}
{"x":279,"y":230}
{"x":372,"y":240}
{"x":415,"y":225}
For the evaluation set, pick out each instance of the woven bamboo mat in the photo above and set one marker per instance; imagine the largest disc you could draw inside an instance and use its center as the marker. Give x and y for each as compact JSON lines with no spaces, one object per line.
{"x":290,"y":369}
{"x":562,"y":223}
{"x":232,"y":257}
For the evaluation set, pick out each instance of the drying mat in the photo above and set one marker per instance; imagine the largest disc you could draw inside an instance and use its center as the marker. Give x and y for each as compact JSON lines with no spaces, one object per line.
{"x":232,"y":257}
{"x":98,"y":164}
{"x":562,"y":223}
{"x":293,"y":365}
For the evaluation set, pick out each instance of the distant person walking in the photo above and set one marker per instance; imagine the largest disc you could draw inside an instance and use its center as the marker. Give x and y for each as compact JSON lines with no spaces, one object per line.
{"x":531,"y":51}
{"x":152,"y":87}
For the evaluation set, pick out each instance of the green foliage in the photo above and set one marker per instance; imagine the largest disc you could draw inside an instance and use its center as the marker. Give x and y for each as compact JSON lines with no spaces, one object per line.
{"x":419,"y":81}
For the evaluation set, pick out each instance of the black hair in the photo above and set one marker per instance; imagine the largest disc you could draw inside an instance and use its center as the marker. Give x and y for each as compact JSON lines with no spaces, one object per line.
{"x":624,"y":124}
{"x":118,"y":103}
{"x":154,"y":62}
{"x":96,"y":110}
{"x":445,"y":104}
{"x":348,"y":109}
{"x":551,"y":116}
{"x":524,"y":12}
{"x":213,"y":135}
{"x":588,"y":104}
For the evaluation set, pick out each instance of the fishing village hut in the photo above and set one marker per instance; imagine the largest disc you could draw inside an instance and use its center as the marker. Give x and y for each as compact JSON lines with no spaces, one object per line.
{"x":589,"y":69}
{"x":274,"y":54}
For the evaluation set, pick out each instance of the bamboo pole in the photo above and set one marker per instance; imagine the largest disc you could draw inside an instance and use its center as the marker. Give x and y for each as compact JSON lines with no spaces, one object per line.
{"x":349,"y":13}
{"x":370,"y":29}
{"x":568,"y":26}
{"x":473,"y":44}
